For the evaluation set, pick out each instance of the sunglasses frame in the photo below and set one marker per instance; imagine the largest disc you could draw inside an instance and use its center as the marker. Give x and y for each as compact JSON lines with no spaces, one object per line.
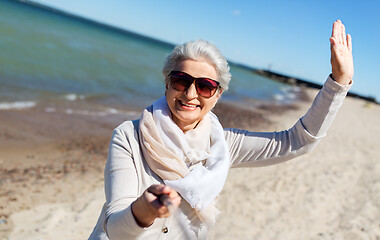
{"x":194,"y":79}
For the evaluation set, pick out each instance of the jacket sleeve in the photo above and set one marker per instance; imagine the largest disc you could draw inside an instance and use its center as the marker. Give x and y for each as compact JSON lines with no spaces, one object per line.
{"x":121,"y":189}
{"x":257,"y":149}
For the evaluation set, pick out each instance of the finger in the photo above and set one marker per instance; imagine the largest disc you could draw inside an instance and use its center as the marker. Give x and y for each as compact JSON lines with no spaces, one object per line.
{"x":156,"y":189}
{"x":340,"y":36}
{"x":333,"y":41}
{"x":169,"y":196}
{"x":162,"y":191}
{"x":349,"y":42}
{"x":172,"y":193}
{"x":176,"y":201}
{"x":337,"y":31}
{"x":170,"y":203}
{"x":344,"y":35}
{"x":164,"y":199}
{"x":334,"y":33}
{"x":156,"y":204}
{"x":167,"y":190}
{"x":150,"y":198}
{"x":152,"y":194}
{"x":161,"y":211}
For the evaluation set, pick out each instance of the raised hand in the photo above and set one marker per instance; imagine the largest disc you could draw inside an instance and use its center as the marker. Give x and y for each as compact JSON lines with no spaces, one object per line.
{"x":341,"y":54}
{"x":150,"y":205}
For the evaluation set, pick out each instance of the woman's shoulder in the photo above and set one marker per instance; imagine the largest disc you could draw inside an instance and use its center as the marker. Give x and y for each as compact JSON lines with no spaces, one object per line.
{"x":127,"y":129}
{"x":127,"y":134}
{"x":128,"y":126}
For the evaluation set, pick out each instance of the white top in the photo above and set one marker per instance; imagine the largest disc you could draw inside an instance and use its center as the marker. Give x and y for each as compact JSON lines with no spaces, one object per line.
{"x":127,"y":175}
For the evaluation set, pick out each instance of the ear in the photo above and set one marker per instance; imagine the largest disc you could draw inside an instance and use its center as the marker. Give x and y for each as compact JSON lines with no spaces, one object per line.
{"x":219,"y":93}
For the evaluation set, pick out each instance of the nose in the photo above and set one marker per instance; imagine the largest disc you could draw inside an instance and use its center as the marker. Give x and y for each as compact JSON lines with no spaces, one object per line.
{"x":191,"y":92}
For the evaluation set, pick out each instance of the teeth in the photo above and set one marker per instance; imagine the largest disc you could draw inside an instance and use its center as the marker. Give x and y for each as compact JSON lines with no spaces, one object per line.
{"x":189,"y":105}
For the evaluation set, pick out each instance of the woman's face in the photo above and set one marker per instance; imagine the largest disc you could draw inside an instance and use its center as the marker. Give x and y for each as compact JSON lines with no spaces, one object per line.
{"x":187,"y":107}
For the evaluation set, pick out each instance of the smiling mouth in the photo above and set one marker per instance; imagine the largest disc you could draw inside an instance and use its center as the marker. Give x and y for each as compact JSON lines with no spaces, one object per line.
{"x":193,"y":106}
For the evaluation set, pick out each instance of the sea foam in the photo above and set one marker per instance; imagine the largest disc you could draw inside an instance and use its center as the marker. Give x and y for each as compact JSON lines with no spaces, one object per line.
{"x":17,"y":105}
{"x":106,"y":112}
{"x":74,"y":97}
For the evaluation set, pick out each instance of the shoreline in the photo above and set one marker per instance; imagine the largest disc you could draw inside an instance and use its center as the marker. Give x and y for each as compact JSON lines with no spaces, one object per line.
{"x":305,"y":83}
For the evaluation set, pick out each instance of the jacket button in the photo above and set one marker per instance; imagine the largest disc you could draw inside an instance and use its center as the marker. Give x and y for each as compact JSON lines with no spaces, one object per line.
{"x":165,"y":230}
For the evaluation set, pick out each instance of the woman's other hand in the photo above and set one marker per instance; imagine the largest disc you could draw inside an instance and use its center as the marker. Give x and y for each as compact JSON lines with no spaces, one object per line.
{"x":341,"y":54}
{"x":149,"y":205}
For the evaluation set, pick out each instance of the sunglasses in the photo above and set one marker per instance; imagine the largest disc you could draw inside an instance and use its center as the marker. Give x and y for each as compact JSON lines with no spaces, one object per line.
{"x":181,"y":81}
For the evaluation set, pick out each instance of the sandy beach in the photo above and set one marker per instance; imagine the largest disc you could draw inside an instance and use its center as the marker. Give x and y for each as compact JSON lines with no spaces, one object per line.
{"x":51,"y":177}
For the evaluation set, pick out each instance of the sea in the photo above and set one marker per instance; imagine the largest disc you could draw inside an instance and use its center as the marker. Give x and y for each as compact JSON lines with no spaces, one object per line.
{"x":62,"y":63}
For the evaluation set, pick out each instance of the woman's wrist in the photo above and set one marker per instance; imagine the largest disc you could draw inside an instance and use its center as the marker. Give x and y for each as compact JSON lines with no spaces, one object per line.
{"x":141,"y":213}
{"x":341,"y":80}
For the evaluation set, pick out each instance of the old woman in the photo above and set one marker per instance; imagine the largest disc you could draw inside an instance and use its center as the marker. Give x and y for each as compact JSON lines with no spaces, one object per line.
{"x":177,"y":155}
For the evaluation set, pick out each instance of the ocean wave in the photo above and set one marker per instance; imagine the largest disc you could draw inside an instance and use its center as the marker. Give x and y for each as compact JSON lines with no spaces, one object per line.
{"x":279,"y":97}
{"x":288,"y":93}
{"x":91,"y":113}
{"x":106,"y":112}
{"x":17,"y":105}
{"x":74,"y":97}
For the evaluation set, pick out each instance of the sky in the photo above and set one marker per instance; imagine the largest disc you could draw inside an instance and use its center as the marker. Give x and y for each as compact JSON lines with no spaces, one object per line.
{"x":288,"y":37}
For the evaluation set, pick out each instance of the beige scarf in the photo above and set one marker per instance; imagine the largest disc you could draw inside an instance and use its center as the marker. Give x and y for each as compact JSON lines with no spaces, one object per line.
{"x":194,"y":163}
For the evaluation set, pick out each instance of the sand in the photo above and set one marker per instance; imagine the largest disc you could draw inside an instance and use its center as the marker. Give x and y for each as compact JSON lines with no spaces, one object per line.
{"x":331,"y":193}
{"x":51,"y":177}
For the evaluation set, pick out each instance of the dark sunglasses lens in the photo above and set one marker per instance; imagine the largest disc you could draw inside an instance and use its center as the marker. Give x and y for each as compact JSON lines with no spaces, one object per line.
{"x":180,"y":82}
{"x":206,"y":87}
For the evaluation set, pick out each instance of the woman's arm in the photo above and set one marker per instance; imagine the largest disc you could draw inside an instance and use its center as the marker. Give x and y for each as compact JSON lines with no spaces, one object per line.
{"x":121,"y":188}
{"x":252,"y":149}
{"x":257,"y":149}
{"x":129,"y":214}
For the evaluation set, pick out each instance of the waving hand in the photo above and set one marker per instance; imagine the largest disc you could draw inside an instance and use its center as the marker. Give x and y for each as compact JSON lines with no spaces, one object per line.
{"x":341,"y":54}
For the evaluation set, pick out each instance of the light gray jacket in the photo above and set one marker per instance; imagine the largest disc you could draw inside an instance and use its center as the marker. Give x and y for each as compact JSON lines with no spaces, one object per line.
{"x":127,"y":174}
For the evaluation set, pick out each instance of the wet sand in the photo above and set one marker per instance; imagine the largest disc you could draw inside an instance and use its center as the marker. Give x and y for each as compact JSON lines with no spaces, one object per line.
{"x":51,"y":176}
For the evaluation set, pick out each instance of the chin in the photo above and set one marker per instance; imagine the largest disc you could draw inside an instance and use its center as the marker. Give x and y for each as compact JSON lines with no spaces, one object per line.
{"x":188,"y":119}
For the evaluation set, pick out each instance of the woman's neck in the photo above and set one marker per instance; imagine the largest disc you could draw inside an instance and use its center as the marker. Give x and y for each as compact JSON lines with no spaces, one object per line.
{"x":187,"y":127}
{"x":184,"y":126}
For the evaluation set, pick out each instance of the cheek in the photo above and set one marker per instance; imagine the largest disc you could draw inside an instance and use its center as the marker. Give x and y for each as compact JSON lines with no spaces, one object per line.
{"x":210,"y":104}
{"x":170,"y":98}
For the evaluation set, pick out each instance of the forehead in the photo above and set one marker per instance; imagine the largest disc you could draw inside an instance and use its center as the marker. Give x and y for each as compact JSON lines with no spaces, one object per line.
{"x":196,"y":68}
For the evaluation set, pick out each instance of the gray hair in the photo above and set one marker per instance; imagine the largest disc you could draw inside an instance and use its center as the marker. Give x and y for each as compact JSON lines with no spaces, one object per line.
{"x":196,"y":50}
